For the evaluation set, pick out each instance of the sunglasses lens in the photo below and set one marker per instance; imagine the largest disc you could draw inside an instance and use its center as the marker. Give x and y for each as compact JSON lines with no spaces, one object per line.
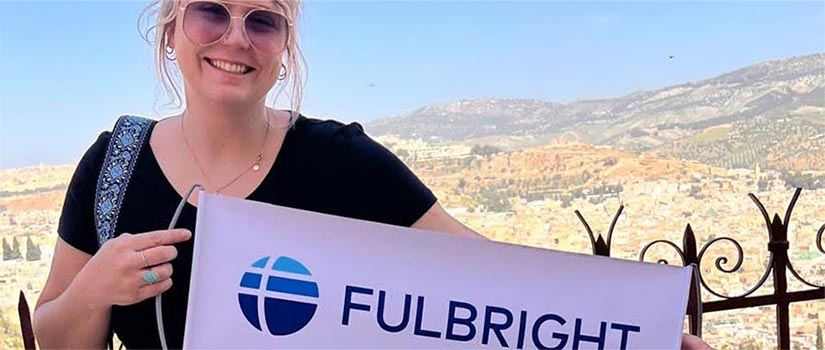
{"x":205,"y":22}
{"x":267,"y":30}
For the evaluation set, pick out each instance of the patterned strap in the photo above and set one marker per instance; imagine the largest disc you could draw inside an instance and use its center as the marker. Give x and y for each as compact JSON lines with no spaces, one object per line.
{"x":128,"y":137}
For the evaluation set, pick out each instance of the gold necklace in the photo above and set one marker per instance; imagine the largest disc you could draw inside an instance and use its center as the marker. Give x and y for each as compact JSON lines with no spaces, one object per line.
{"x":256,"y":165}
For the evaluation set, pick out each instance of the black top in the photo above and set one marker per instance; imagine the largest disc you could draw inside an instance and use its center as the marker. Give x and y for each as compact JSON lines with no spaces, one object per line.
{"x":323,"y":166}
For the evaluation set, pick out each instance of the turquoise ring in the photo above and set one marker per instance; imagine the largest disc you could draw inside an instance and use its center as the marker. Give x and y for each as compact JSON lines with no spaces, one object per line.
{"x":150,"y":276}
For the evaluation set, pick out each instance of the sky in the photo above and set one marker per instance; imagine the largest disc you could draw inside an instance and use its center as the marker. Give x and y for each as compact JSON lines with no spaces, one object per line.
{"x":69,"y":68}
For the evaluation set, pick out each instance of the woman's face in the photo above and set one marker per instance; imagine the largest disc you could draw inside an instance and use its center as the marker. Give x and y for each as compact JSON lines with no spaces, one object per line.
{"x":229,"y":70}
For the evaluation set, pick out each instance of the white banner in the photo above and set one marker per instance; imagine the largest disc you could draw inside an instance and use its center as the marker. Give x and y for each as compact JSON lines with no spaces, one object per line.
{"x":270,"y":276}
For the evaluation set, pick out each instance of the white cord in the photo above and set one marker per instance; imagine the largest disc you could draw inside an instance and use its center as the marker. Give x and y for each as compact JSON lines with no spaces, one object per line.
{"x":158,"y":309}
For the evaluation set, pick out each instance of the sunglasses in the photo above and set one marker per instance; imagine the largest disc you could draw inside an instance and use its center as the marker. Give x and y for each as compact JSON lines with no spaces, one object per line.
{"x":207,"y":22}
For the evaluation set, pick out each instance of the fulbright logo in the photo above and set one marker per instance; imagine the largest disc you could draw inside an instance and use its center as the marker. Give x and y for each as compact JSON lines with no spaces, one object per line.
{"x":289,"y":297}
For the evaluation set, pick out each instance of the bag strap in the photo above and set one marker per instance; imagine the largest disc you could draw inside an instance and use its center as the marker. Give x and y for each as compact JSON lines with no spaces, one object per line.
{"x":128,"y":136}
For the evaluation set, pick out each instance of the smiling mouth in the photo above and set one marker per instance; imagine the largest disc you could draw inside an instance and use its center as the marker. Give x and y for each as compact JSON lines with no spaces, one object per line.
{"x":228,"y":67}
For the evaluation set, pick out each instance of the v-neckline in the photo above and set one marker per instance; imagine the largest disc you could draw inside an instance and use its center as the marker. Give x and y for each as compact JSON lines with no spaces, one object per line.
{"x":163,"y":180}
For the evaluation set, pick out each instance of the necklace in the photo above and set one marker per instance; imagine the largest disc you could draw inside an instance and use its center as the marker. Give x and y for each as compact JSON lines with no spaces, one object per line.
{"x":256,"y":165}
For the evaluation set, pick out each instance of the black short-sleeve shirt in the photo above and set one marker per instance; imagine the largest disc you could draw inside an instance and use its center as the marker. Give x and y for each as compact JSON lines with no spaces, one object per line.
{"x":323,"y":166}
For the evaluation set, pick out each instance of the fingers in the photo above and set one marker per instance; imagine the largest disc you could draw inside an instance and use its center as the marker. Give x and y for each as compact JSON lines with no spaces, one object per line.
{"x":151,"y":290}
{"x":156,"y":256}
{"x":691,"y":342}
{"x":158,"y":238}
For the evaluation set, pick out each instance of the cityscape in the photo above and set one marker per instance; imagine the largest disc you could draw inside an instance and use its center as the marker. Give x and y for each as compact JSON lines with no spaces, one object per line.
{"x":514,"y":182}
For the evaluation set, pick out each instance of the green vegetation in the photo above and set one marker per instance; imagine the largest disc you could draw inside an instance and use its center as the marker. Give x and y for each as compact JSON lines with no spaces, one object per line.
{"x":494,"y":199}
{"x":485,"y":150}
{"x":713,"y":134}
{"x":772,"y":144}
{"x":33,"y":191}
{"x":806,"y":181}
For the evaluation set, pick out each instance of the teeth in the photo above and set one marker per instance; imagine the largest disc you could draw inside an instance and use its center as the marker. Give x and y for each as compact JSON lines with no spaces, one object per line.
{"x":229,"y":67}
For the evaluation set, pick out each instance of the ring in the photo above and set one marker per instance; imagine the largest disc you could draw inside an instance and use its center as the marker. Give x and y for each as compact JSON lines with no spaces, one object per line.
{"x":143,"y":257}
{"x":150,"y":276}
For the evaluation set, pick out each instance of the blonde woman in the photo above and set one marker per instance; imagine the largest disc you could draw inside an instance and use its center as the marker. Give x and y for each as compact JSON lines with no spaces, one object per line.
{"x":230,"y":54}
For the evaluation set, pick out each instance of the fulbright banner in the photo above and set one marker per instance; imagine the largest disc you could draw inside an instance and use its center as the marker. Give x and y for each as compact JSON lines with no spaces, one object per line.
{"x":276,"y":277}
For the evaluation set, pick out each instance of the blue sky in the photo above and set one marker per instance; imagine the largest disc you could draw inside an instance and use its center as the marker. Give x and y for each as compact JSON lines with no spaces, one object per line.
{"x":68,"y":68}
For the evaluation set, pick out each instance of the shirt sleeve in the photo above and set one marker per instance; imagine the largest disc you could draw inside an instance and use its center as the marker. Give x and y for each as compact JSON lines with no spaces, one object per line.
{"x":77,"y":226}
{"x":380,"y":187}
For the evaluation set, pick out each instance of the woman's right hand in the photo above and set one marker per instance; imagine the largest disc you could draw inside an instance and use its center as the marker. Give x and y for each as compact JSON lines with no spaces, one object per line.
{"x":114,"y":275}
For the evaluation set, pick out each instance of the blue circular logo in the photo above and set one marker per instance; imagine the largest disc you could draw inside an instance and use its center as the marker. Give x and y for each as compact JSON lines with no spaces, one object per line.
{"x":289,"y":295}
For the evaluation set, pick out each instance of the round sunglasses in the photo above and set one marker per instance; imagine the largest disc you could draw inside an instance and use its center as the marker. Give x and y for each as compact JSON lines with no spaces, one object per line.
{"x":207,"y":22}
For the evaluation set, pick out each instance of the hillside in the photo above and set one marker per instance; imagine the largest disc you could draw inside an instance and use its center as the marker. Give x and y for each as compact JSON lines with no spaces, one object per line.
{"x":773,"y":100}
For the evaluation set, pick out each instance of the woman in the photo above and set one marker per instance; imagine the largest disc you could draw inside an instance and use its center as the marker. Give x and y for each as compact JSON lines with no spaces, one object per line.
{"x":230,"y":54}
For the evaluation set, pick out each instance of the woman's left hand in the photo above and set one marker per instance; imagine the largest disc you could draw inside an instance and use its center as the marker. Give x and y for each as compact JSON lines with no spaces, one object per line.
{"x":692,"y":342}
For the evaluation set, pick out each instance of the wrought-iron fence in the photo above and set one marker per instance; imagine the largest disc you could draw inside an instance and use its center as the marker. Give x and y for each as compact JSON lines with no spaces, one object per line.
{"x":778,"y":265}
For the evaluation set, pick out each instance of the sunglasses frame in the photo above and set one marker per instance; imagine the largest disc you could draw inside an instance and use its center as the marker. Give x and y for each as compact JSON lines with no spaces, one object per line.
{"x":232,"y":18}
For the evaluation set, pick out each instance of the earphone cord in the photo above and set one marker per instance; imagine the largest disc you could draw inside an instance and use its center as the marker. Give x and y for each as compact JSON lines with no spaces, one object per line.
{"x":158,"y":310}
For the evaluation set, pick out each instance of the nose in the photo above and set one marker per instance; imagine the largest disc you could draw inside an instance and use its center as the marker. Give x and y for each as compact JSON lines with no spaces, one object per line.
{"x":236,"y":35}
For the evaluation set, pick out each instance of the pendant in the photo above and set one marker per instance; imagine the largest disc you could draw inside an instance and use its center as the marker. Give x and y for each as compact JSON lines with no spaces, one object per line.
{"x":257,"y":165}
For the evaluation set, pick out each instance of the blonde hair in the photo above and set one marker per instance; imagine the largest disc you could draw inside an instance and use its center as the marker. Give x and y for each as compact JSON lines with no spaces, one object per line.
{"x":163,"y":13}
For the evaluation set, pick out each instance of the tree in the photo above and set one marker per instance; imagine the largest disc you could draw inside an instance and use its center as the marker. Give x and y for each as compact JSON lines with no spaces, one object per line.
{"x":695,"y":191}
{"x":466,"y":162}
{"x":32,"y":250}
{"x":6,"y":250}
{"x":11,"y":252}
{"x":16,"y":249}
{"x":610,"y":161}
{"x":763,"y":185}
{"x":492,"y":200}
{"x":484,"y":150}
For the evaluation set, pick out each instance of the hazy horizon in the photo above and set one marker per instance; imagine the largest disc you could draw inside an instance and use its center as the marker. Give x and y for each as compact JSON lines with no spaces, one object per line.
{"x":392,"y":58}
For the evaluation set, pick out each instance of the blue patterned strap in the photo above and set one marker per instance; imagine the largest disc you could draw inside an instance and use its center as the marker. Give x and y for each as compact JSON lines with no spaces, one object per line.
{"x":128,"y":137}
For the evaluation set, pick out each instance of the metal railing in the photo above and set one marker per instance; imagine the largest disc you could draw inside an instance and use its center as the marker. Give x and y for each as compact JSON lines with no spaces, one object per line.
{"x":778,"y":266}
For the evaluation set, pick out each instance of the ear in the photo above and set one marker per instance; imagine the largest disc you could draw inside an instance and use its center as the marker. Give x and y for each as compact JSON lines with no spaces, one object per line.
{"x":170,"y":36}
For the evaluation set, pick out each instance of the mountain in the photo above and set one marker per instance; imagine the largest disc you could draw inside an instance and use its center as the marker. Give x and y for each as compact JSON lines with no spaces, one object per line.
{"x":639,"y":121}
